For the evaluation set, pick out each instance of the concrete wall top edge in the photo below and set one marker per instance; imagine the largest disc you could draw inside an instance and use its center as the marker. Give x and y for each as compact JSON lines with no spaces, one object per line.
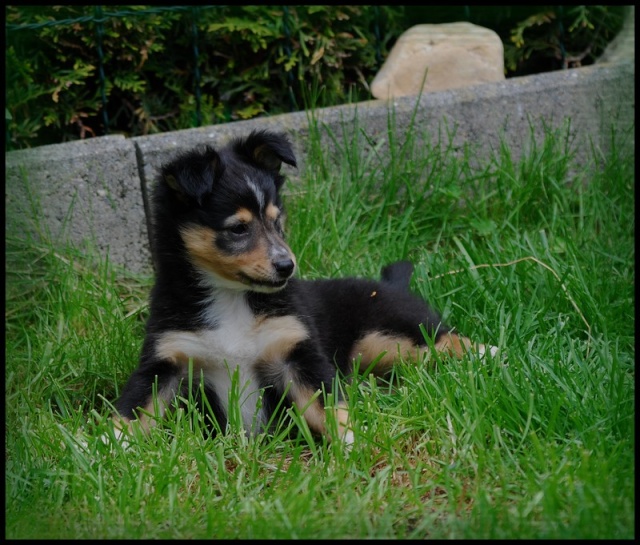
{"x":68,"y":150}
{"x":218,"y":134}
{"x":297,"y":121}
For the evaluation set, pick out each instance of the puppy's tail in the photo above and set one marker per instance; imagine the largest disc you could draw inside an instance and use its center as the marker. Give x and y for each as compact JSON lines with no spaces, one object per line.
{"x":398,"y":274}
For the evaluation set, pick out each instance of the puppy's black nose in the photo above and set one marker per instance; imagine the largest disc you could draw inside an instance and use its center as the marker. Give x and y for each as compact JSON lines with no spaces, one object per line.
{"x":284,"y":267}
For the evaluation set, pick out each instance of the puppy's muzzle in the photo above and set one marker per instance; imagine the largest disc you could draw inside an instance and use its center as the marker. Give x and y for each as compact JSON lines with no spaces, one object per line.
{"x":275,"y":273}
{"x":284,"y":267}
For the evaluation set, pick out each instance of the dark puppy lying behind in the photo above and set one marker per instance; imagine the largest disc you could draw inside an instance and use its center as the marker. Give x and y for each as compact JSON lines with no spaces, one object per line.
{"x":225,"y":299}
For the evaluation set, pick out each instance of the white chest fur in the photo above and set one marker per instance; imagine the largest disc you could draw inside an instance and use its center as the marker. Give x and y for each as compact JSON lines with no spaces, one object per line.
{"x":229,"y":350}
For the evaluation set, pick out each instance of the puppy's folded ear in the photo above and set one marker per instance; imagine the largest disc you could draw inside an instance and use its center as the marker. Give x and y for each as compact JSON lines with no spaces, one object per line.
{"x":266,"y":150}
{"x":191,"y":175}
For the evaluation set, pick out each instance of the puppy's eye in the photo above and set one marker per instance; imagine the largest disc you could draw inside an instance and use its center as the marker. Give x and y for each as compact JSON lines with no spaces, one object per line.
{"x":238,"y":229}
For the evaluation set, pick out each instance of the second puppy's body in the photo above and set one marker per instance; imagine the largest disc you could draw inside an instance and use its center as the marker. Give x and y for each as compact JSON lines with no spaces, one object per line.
{"x":225,"y":300}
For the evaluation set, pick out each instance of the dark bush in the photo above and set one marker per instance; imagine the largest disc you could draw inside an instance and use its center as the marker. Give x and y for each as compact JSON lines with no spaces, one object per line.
{"x":169,"y":68}
{"x":251,"y":60}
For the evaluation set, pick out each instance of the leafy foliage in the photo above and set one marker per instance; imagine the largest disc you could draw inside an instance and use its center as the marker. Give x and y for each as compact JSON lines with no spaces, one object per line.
{"x":169,"y":68}
{"x":562,"y":38}
{"x":251,"y":60}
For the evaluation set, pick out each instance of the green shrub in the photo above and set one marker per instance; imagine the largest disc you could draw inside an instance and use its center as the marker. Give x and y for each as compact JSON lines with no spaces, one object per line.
{"x":252,"y":60}
{"x":562,"y":38}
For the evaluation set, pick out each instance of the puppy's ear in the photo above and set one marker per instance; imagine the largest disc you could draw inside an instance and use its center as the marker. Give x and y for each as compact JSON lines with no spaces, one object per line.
{"x":266,"y":150}
{"x":191,"y":175}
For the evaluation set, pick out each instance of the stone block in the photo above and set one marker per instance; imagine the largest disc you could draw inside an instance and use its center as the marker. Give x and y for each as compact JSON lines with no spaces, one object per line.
{"x":88,"y":193}
{"x":452,"y":55}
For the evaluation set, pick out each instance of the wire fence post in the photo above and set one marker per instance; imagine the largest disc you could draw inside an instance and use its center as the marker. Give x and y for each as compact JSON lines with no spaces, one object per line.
{"x":376,"y":33}
{"x":196,"y":60}
{"x":563,"y":52}
{"x":99,"y":20}
{"x":287,"y":49}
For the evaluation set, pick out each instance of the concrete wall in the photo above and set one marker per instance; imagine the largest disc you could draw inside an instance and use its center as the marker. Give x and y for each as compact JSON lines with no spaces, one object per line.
{"x":97,"y":188}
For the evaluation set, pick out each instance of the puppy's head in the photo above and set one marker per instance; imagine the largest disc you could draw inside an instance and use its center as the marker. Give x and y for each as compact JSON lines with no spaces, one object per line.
{"x":226,"y":208}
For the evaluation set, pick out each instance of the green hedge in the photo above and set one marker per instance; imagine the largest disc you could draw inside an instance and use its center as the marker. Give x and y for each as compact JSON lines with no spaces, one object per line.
{"x":250,"y":60}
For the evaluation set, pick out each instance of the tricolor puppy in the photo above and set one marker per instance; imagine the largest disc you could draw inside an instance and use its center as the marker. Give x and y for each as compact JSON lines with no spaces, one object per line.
{"x":226,"y":300}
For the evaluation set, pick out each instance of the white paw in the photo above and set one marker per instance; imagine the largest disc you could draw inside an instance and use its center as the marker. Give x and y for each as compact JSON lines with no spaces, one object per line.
{"x":82,"y":442}
{"x":119,"y":437}
{"x":483,"y":350}
{"x":348,"y":438}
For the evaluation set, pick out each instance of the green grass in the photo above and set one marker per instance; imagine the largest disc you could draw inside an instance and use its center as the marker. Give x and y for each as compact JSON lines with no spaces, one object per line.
{"x":533,"y":254}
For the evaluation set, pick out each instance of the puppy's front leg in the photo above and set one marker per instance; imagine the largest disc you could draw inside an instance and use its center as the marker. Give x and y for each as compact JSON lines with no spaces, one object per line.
{"x":309,"y":371}
{"x":315,"y":413}
{"x":137,"y":404}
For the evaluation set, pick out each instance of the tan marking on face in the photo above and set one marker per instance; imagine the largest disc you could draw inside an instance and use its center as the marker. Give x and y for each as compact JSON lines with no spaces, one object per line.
{"x":392,"y":347}
{"x":200,"y":243}
{"x":272,"y":212}
{"x":203,"y":252}
{"x":243,"y":215}
{"x":453,"y":344}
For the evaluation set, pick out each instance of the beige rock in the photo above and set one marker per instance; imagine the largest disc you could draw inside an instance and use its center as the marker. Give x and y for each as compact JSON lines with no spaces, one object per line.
{"x":452,"y":55}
